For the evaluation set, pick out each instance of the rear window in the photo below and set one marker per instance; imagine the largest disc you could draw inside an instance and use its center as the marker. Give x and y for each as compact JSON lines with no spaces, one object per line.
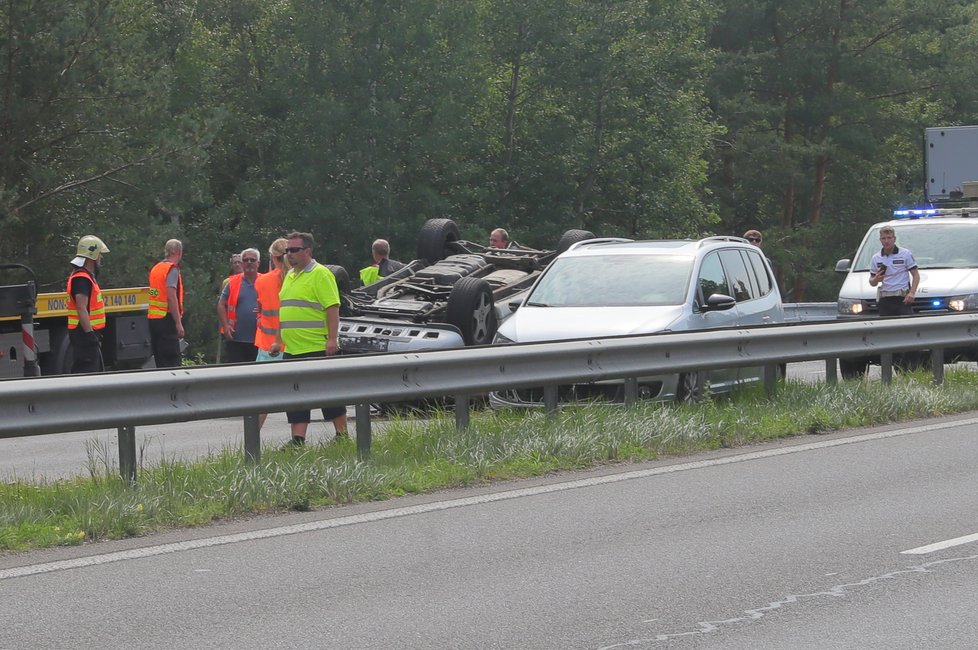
{"x":614,"y":280}
{"x":934,"y":245}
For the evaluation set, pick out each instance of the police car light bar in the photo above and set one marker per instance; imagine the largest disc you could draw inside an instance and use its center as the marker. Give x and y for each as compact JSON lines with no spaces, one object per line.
{"x":915,"y":213}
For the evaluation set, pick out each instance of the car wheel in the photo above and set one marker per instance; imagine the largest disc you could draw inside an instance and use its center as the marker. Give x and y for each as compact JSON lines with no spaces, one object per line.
{"x":342,"y":277}
{"x":691,"y":387}
{"x":913,"y":360}
{"x":472,"y":310}
{"x":434,"y":237}
{"x":853,"y":368}
{"x":572,"y":237}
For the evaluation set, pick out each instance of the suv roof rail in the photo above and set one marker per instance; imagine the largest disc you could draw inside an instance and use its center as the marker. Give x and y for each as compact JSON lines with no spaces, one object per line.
{"x":716,"y":238}
{"x":599,"y":240}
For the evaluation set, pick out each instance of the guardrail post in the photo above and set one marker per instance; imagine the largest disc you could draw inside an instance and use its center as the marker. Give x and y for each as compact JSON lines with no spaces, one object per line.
{"x":252,"y":438}
{"x":631,"y":391}
{"x":550,"y":404}
{"x":770,"y":379}
{"x":886,"y":367}
{"x":364,"y":432}
{"x":127,"y":454}
{"x":461,"y":412}
{"x":831,"y":371}
{"x":937,"y":364}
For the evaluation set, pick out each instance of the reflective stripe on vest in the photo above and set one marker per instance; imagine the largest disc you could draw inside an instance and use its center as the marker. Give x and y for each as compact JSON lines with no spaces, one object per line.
{"x":96,"y":306}
{"x":158,"y":305}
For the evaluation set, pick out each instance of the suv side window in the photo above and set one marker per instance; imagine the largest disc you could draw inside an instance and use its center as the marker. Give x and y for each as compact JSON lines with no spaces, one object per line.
{"x":740,"y":280}
{"x":763,"y":279}
{"x":712,"y":279}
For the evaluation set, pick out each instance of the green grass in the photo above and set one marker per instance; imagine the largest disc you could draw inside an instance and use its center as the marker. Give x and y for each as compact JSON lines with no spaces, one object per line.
{"x":412,"y":457}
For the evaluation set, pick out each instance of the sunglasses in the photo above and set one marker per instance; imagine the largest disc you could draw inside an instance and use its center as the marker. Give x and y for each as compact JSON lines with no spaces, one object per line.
{"x":249,"y":260}
{"x":295,"y":249}
{"x":754,"y":239}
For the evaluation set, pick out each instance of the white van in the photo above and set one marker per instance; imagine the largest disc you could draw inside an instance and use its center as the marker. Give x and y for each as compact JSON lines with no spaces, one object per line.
{"x":944,"y":242}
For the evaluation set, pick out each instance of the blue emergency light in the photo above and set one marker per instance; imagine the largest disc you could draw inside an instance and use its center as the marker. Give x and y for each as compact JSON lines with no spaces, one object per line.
{"x":914,"y":213}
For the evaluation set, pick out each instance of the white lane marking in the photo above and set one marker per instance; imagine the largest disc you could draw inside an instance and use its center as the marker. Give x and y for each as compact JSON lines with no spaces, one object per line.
{"x":703,"y":628}
{"x":219,"y":540}
{"x":939,"y":546}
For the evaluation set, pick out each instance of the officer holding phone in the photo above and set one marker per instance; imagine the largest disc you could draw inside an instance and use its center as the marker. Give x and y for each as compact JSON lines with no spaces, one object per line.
{"x":893,"y":271}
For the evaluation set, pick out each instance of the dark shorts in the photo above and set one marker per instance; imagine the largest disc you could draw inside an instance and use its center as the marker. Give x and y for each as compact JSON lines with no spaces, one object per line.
{"x":893,"y":306}
{"x":239,"y":352}
{"x":329,"y":412}
{"x":86,"y":351}
{"x":166,"y":343}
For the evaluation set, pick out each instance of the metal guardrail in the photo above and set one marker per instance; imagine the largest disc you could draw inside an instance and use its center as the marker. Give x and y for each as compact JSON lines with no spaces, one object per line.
{"x":43,"y":405}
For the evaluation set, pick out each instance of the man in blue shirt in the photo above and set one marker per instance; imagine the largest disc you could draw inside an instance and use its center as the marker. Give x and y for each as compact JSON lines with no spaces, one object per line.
{"x":236,"y":309}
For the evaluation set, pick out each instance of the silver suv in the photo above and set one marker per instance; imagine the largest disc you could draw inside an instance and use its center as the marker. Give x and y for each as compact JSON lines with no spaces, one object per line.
{"x":601,"y":288}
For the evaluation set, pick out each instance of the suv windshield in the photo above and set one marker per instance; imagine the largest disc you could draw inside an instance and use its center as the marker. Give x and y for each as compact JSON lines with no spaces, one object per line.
{"x":614,"y":280}
{"x":934,"y":245}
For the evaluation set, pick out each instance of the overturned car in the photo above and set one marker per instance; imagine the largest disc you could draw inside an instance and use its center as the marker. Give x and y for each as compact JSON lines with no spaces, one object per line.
{"x":455,"y":293}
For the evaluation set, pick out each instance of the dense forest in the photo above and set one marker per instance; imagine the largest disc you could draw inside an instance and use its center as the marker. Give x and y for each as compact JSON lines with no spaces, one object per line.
{"x":227,"y":123}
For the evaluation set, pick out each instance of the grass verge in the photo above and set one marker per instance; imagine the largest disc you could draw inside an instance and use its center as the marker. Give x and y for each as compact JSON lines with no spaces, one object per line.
{"x":412,"y":457}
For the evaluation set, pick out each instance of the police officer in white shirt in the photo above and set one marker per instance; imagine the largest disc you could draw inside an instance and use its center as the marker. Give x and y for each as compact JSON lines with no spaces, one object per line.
{"x":895,"y":271}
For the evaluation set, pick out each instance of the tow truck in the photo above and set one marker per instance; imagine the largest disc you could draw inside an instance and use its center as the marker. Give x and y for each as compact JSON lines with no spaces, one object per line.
{"x":34,"y":328}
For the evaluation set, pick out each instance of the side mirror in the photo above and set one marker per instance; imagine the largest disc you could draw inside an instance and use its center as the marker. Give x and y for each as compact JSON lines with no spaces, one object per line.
{"x":842,"y":266}
{"x":719,"y":302}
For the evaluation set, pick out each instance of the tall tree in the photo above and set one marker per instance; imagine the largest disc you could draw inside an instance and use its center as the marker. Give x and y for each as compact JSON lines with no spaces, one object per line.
{"x":809,"y":90}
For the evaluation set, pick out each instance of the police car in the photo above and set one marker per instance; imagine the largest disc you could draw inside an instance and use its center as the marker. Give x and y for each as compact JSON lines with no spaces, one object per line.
{"x":944,"y":243}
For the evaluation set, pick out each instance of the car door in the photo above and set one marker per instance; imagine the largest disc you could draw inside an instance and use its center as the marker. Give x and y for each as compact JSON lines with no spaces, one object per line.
{"x":712,"y":278}
{"x":757,"y":303}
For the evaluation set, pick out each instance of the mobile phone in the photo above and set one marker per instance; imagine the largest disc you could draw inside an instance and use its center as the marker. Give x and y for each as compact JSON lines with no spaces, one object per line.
{"x":881,"y":269}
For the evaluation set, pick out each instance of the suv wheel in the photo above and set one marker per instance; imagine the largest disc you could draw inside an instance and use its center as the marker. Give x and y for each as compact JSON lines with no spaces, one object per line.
{"x":572,"y":237}
{"x":853,"y":368}
{"x":691,"y":387}
{"x":434,"y":237}
{"x":342,"y":277}
{"x":472,"y":310}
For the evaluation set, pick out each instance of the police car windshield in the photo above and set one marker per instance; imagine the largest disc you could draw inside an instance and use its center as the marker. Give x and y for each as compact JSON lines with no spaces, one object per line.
{"x":935,"y":245}
{"x":614,"y":280}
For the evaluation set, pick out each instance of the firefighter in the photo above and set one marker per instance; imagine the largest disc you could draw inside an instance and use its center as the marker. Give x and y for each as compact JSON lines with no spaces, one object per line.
{"x":86,"y":309}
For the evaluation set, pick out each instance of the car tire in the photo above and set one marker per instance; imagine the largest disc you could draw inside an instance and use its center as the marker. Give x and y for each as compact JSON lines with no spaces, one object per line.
{"x":434,"y":238}
{"x":62,"y":358}
{"x":571,"y":237}
{"x":342,"y":277}
{"x":853,"y":368}
{"x":471,"y":309}
{"x":691,"y":387}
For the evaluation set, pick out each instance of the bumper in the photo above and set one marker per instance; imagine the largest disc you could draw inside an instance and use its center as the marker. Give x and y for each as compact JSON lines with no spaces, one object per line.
{"x":660,"y":388}
{"x":369,"y":335}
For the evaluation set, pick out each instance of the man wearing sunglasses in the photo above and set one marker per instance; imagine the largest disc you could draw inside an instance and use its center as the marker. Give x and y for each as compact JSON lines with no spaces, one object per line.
{"x":754,"y":237}
{"x":309,"y":323}
{"x":236,"y":310}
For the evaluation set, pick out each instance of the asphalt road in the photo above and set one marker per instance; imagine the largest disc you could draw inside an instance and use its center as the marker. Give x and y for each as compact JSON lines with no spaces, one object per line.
{"x":798,"y":544}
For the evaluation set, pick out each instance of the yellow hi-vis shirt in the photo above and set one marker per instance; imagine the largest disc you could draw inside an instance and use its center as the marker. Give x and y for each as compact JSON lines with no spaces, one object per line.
{"x":306,"y":295}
